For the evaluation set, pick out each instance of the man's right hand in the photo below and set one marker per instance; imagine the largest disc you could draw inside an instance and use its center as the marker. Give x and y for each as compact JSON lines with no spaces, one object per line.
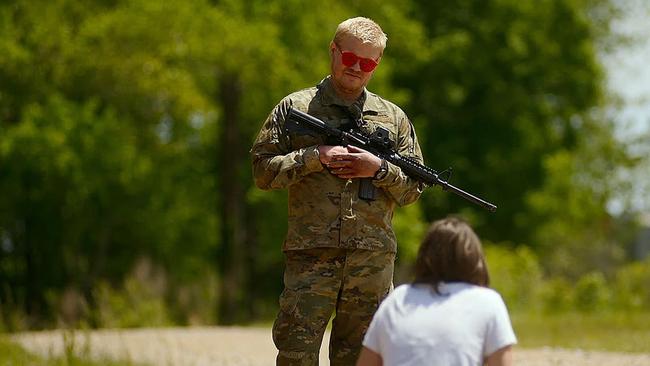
{"x":327,"y":152}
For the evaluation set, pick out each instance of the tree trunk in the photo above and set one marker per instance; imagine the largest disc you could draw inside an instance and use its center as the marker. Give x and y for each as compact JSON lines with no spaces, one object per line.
{"x":233,"y":263}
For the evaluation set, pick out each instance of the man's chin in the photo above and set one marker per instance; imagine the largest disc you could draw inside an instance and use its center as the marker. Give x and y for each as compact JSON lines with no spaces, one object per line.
{"x":351,"y":76}
{"x":352,"y":83}
{"x":349,"y":85}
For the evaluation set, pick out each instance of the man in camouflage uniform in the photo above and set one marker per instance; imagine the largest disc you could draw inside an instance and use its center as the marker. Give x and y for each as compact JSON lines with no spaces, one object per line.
{"x":339,"y":248}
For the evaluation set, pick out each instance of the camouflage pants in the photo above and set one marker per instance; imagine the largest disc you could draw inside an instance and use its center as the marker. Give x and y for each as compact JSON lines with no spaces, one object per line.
{"x":318,"y":282}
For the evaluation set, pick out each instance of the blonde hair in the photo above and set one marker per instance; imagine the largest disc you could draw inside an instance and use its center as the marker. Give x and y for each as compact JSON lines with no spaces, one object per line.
{"x":363,"y":29}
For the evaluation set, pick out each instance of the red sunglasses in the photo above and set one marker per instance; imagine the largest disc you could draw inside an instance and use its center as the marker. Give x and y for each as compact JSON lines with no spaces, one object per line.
{"x":350,"y":59}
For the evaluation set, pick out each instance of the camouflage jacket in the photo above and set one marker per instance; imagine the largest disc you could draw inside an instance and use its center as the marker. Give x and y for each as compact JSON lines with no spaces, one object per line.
{"x":324,"y":210}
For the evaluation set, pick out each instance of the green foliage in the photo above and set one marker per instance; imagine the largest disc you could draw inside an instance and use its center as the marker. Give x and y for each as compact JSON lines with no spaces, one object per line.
{"x":615,"y":332}
{"x":516,"y":274}
{"x":133,"y":307}
{"x":556,"y":296}
{"x":138,"y":303}
{"x":410,"y":229}
{"x":518,"y":277}
{"x":12,"y":354}
{"x":506,"y":86}
{"x":141,"y":300}
{"x":631,"y":284}
{"x":125,"y":127}
{"x":576,"y":192}
{"x":592,"y":292}
{"x":91,"y":190}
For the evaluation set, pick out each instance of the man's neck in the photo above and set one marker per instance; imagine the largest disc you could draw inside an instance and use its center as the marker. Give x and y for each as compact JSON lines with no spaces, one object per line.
{"x":348,"y":95}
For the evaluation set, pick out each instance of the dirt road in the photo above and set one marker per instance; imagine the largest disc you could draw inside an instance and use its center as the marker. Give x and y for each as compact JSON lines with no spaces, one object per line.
{"x":235,"y":346}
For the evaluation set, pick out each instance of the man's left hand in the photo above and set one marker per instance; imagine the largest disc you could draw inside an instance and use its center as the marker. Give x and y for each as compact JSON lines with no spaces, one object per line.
{"x":356,"y":163}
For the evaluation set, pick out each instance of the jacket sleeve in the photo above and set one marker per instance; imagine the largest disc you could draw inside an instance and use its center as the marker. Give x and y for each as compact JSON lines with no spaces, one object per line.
{"x":275,"y":165}
{"x":402,"y":188}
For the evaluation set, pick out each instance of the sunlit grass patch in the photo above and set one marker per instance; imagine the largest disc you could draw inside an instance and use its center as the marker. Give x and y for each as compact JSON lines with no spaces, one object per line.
{"x":12,"y":354}
{"x":619,"y":332}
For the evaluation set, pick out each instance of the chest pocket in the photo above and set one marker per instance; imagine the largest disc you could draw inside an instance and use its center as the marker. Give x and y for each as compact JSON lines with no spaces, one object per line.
{"x":373,"y":122}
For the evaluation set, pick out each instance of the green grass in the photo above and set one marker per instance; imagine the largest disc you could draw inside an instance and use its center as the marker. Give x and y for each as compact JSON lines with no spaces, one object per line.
{"x":616,"y":332}
{"x":12,"y":354}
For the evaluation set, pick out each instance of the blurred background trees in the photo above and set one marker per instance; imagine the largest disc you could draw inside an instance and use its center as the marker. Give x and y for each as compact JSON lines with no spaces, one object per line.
{"x":126,"y":193}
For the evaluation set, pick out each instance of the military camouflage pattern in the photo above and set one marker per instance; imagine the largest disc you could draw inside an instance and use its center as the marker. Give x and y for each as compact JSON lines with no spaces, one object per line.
{"x":339,"y":249}
{"x":313,"y":279}
{"x":325,"y":210}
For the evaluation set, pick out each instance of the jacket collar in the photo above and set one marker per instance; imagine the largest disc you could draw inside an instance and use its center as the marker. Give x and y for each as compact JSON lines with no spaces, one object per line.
{"x":328,"y":97}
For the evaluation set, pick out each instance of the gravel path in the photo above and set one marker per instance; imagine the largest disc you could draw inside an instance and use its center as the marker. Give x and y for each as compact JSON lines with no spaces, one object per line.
{"x":236,"y":346}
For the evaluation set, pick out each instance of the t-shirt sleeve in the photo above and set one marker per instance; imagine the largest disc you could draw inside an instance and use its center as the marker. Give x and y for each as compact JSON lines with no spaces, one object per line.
{"x":499,"y":329}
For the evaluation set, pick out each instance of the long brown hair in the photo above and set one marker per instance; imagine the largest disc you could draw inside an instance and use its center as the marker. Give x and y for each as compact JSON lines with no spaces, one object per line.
{"x":451,"y":252}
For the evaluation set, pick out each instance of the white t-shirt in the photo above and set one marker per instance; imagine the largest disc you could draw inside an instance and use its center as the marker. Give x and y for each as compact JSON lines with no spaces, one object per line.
{"x":416,"y":326}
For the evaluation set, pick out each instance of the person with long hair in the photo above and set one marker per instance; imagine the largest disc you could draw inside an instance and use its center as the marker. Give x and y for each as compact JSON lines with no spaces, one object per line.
{"x":448,"y":315}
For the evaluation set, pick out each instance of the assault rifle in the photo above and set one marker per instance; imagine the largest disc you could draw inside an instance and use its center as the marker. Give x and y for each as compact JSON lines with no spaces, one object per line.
{"x":379,"y":144}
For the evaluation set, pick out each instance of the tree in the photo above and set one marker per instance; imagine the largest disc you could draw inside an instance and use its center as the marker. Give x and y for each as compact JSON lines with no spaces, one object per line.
{"x":505,"y":86}
{"x":100,"y":145}
{"x":129,"y":135}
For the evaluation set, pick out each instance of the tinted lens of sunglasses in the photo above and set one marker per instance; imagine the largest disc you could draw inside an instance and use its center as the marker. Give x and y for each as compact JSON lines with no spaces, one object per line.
{"x":349,"y":59}
{"x":367,"y":64}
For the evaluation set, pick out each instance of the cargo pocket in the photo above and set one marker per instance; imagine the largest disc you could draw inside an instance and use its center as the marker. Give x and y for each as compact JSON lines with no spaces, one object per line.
{"x":287,"y":327}
{"x":288,"y":301}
